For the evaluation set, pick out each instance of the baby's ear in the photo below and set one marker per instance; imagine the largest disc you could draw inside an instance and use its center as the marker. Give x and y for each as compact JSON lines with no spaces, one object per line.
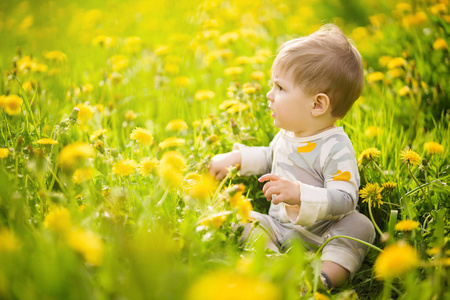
{"x":321,"y":105}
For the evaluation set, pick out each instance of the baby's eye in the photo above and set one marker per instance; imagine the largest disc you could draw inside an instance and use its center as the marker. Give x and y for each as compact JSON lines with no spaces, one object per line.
{"x":279,"y":88}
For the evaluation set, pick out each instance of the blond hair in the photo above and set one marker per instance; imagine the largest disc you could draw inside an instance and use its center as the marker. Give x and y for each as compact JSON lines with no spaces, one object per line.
{"x":324,"y":62}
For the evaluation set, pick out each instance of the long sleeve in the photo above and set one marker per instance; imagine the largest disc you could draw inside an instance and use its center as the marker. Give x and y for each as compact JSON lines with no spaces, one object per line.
{"x":339,"y":195}
{"x":256,"y":160}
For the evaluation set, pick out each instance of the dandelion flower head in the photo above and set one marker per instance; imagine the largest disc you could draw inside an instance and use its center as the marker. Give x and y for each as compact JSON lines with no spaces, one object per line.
{"x":146,"y":165}
{"x":98,"y":133}
{"x":47,"y":141}
{"x":125,"y":167}
{"x":410,"y":157}
{"x":433,"y":148}
{"x":372,"y":192}
{"x":176,"y":125}
{"x":171,"y":142}
{"x":4,"y":152}
{"x":224,"y":284}
{"x":368,"y":155}
{"x":8,"y":241}
{"x":89,"y":245}
{"x":406,"y":225}
{"x":75,"y":153}
{"x":58,"y":219}
{"x":12,"y":105}
{"x":142,"y":136}
{"x":395,"y":260}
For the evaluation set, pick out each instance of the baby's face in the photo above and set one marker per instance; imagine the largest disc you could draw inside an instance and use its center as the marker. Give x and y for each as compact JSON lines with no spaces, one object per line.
{"x":290,"y":104}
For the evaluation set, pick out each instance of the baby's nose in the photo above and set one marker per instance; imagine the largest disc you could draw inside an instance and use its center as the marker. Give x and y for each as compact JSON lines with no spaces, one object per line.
{"x":270,"y":96}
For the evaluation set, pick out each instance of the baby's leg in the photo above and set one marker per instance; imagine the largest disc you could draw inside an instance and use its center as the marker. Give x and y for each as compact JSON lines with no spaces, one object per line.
{"x":341,"y":257}
{"x":267,"y":230}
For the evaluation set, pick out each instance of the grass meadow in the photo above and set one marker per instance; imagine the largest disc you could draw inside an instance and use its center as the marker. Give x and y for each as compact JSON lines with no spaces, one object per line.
{"x":111,"y":110}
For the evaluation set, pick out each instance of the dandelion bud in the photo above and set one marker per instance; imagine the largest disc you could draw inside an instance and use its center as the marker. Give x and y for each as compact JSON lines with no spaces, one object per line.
{"x":424,"y":162}
{"x":74,"y":115}
{"x":234,"y":126}
{"x":63,"y":124}
{"x":114,"y":152}
{"x":99,"y":146}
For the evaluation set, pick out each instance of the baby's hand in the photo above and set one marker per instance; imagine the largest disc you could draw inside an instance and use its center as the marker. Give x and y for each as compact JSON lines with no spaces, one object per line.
{"x":220,"y":162}
{"x":285,"y":190}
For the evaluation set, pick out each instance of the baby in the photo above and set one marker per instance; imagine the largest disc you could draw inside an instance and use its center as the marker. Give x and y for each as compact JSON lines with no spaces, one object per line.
{"x":310,"y":165}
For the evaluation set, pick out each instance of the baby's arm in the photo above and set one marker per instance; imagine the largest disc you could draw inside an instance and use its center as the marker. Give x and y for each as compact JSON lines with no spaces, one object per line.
{"x":220,"y":162}
{"x":253,"y":160}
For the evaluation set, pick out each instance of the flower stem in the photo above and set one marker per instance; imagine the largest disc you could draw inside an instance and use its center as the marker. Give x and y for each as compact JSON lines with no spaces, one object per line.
{"x":371,"y":217}
{"x":379,"y":169}
{"x":350,"y":238}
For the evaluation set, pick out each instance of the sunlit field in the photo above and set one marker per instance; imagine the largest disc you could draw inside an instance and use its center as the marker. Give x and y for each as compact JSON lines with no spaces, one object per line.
{"x":111,"y":111}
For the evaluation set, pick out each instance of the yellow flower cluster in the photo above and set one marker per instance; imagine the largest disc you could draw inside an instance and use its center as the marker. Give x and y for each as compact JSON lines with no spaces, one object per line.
{"x":199,"y":186}
{"x":146,"y":165}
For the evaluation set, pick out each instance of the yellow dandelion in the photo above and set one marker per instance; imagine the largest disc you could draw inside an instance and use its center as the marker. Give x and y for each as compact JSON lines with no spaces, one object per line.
{"x":394,"y":73}
{"x":233,"y":71}
{"x":89,"y":245}
{"x":200,"y":187}
{"x":172,"y":176}
{"x":82,"y":175}
{"x":146,"y":165}
{"x":410,"y":157}
{"x":228,"y":103}
{"x":244,"y":209}
{"x":142,"y":136}
{"x":405,"y":90}
{"x":13,"y":105}
{"x":162,"y":50}
{"x":215,"y":220}
{"x":133,"y":44}
{"x":86,"y":112}
{"x":440,"y":44}
{"x":177,"y":125}
{"x":172,"y":69}
{"x":433,"y":148}
{"x":202,"y":95}
{"x":119,"y":62}
{"x":368,"y":155}
{"x":406,"y":225}
{"x":125,"y":167}
{"x":74,"y":154}
{"x":396,"y":62}
{"x":130,"y":116}
{"x":47,"y":141}
{"x":372,"y":192}
{"x":228,"y":37}
{"x":171,"y":142}
{"x":403,"y":7}
{"x":98,"y":133}
{"x":258,"y":75}
{"x":8,"y":241}
{"x":237,"y":108}
{"x":374,"y":77}
{"x":56,"y":56}
{"x":389,"y":185}
{"x":174,"y":159}
{"x":372,"y":132}
{"x":395,"y":260}
{"x":384,"y":60}
{"x":319,"y":296}
{"x":223,"y":284}
{"x":182,"y":81}
{"x":4,"y":152}
{"x":58,"y":220}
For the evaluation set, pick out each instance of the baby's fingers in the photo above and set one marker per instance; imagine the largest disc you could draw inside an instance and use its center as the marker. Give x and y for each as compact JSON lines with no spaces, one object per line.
{"x":267,"y":177}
